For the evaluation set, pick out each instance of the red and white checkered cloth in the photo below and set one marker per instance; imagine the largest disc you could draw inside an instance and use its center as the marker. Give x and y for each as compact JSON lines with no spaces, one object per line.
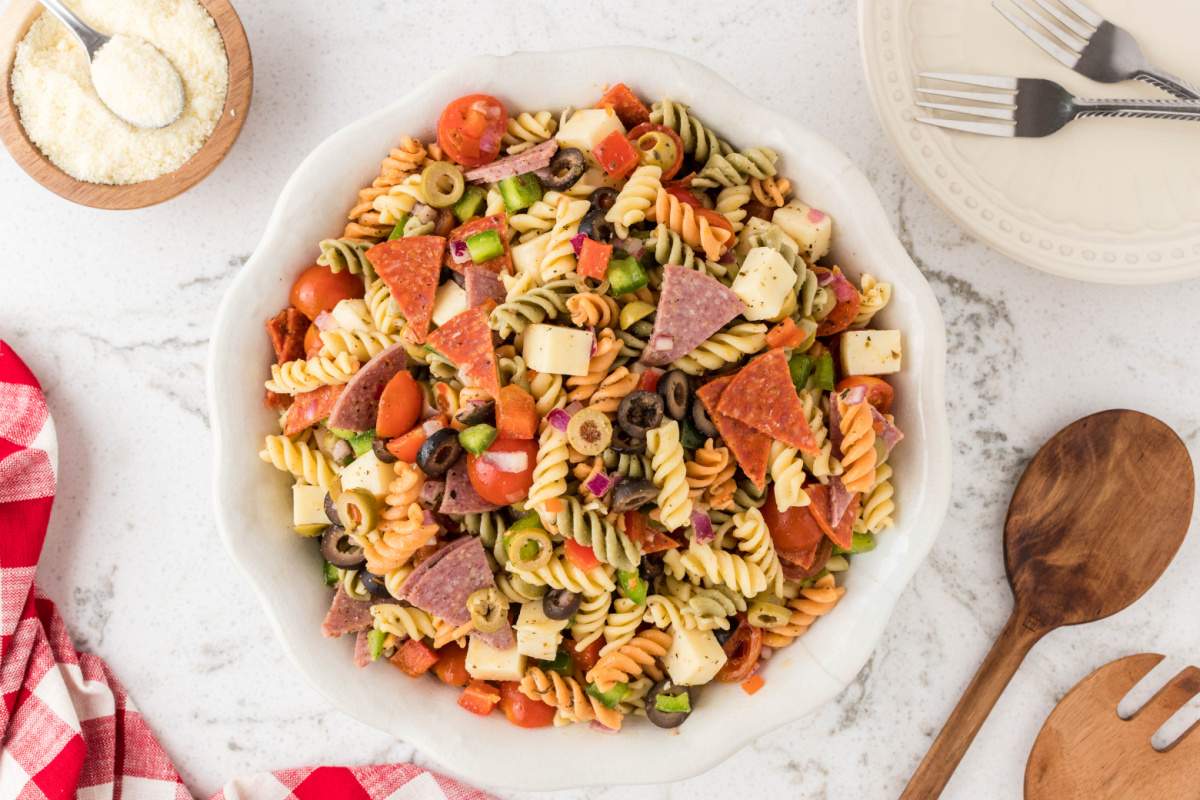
{"x":68,"y":728}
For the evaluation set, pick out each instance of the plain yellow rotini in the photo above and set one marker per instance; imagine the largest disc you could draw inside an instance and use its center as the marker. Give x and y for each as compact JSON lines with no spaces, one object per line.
{"x":664,"y":611}
{"x":402,"y":161}
{"x":582,"y":387}
{"x":549,"y":474}
{"x":548,"y":393}
{"x":731,"y":204}
{"x":588,"y":623}
{"x":567,"y":695}
{"x":724,"y":347}
{"x":526,"y":129}
{"x":537,"y":219}
{"x":873,"y":297}
{"x":877,"y":505}
{"x":295,"y":377}
{"x":670,"y":475}
{"x":858,"y":445}
{"x":754,"y":541}
{"x":306,"y":463}
{"x":635,"y":198}
{"x":403,"y":622}
{"x":695,"y":230}
{"x":621,"y":624}
{"x":384,"y":313}
{"x":823,"y":464}
{"x":702,"y":561}
{"x":363,"y":345}
{"x":561,"y":573}
{"x":559,"y":258}
{"x":786,"y":467}
{"x":399,"y":200}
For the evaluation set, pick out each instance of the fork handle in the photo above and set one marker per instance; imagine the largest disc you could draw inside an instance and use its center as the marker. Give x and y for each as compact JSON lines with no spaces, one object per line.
{"x":1139,"y":109}
{"x":1169,"y":83}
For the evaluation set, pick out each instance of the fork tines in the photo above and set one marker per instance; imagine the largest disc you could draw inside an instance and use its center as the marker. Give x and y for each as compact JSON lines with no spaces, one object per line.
{"x":1069,"y":32}
{"x":994,"y":112}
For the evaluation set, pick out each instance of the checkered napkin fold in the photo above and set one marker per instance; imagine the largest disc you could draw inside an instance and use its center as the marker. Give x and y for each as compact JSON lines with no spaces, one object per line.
{"x":68,"y":729}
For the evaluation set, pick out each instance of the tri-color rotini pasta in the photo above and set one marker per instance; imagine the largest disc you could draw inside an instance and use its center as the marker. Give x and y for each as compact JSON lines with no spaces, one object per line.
{"x":582,"y":411}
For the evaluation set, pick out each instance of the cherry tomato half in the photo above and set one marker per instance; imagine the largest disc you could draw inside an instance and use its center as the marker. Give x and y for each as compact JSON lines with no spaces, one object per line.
{"x":320,"y":289}
{"x":660,"y":141}
{"x":522,"y":711}
{"x":399,"y":406}
{"x":470,"y":129}
{"x":795,"y":532}
{"x":715,"y":218}
{"x":683,"y":195}
{"x":743,"y":649}
{"x":451,"y":666}
{"x":500,"y":486}
{"x":879,"y":391}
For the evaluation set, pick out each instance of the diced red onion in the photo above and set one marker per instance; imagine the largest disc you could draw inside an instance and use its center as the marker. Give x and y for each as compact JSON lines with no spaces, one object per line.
{"x":595,"y":342}
{"x":703,"y":528}
{"x":559,"y":418}
{"x":596,"y":726}
{"x":325,"y":321}
{"x":663,"y":342}
{"x":843,"y":289}
{"x":577,"y":243}
{"x":506,"y":462}
{"x":825,"y":278}
{"x":632,"y":247}
{"x":574,"y":407}
{"x":599,"y":484}
{"x":431,"y":426}
{"x":459,"y":252}
{"x":428,"y":518}
{"x":854,"y":395}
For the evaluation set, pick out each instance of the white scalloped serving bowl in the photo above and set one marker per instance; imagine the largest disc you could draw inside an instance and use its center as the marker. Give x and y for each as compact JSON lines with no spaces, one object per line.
{"x":252,"y":500}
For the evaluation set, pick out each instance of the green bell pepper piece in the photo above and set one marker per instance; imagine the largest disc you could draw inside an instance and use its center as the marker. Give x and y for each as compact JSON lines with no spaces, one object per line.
{"x":477,"y":438}
{"x":484,"y":246}
{"x":470,"y":204}
{"x":361,"y":442}
{"x":331,"y":574}
{"x":563,"y":664}
{"x":801,"y":367}
{"x":674,"y":703}
{"x":625,"y":275}
{"x":520,"y":191}
{"x":398,"y":231}
{"x":375,"y":641}
{"x":630,"y":584}
{"x":612,"y":697}
{"x":824,"y":372}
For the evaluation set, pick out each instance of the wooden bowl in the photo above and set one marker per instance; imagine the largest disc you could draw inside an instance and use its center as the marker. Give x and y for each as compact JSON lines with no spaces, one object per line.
{"x":14,"y":24}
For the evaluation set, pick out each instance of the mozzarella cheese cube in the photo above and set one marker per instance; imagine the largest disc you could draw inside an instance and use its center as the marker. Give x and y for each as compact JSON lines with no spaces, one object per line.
{"x":368,"y":472}
{"x":810,"y":227}
{"x":486,"y":663}
{"x":871,"y":352}
{"x":695,"y":657}
{"x":449,"y":301}
{"x":556,"y":350}
{"x":587,"y":127}
{"x":308,"y":505}
{"x":538,"y":636}
{"x":527,"y":256}
{"x":764,"y":283}
{"x":352,"y":315}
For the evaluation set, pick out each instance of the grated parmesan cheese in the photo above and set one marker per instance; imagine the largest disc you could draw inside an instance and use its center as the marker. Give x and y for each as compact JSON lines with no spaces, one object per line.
{"x":137,"y":82}
{"x":64,"y":116}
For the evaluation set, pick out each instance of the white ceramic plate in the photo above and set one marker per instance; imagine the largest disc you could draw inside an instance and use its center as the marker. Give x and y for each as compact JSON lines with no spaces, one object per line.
{"x":252,"y":499}
{"x":1112,"y":201}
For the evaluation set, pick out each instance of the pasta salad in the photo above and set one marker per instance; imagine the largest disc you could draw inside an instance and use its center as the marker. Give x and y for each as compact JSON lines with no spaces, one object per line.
{"x":580,"y":413}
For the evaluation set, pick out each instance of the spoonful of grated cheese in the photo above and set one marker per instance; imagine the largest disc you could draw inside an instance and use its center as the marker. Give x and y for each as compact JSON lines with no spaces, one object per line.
{"x":131,"y":76}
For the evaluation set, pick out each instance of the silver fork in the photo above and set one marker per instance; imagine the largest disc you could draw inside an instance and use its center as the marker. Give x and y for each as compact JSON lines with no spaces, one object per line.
{"x":1032,"y":107}
{"x":1091,"y":45}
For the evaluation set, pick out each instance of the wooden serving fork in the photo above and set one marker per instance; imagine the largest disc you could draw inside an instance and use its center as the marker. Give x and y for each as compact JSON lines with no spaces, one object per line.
{"x":1088,"y":751}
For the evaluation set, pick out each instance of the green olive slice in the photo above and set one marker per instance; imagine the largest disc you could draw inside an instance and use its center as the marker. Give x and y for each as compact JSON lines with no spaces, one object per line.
{"x":765,"y":614}
{"x":488,"y":609}
{"x":589,"y":432}
{"x":442,"y":184}
{"x":657,"y":148}
{"x":357,"y":510}
{"x":529,"y":549}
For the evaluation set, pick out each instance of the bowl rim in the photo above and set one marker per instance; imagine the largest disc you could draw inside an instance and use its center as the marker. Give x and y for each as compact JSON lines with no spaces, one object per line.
{"x":929,"y":512}
{"x":14,"y":24}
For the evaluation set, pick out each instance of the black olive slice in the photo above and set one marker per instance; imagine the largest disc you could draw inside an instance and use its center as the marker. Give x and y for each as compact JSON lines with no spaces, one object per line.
{"x":566,"y":168}
{"x":339,"y":549}
{"x":439,"y":452}
{"x":561,"y":604}
{"x":673,"y":388}
{"x":629,"y":495}
{"x":639,"y":412}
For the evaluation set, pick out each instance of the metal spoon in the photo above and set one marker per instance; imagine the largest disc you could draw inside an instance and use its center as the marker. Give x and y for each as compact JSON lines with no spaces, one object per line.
{"x":94,"y":42}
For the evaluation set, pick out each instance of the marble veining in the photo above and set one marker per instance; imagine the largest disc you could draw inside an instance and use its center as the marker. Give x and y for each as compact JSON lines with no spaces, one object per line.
{"x":113,"y":311}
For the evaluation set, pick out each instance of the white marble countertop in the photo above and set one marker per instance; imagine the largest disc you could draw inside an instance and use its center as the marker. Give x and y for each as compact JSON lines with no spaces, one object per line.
{"x":113,"y":309}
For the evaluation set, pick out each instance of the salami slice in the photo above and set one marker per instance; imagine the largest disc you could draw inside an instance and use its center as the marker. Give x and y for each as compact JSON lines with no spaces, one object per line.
{"x":482,"y":285}
{"x":357,"y":407}
{"x":460,"y":496}
{"x":692,"y":307}
{"x":443,"y":589}
{"x":459,"y":236}
{"x":763,"y":397}
{"x":843,"y":508}
{"x":410,"y":267}
{"x":535,"y":158}
{"x":501,"y":639}
{"x":467,"y":341}
{"x":346,"y":615}
{"x":422,"y":569}
{"x":309,"y":408}
{"x":362,"y":649}
{"x":751,"y":448}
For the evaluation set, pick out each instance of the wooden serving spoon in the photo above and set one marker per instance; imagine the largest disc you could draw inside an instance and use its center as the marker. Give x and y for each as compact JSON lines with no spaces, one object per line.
{"x":1095,"y":519}
{"x":1087,"y":752}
